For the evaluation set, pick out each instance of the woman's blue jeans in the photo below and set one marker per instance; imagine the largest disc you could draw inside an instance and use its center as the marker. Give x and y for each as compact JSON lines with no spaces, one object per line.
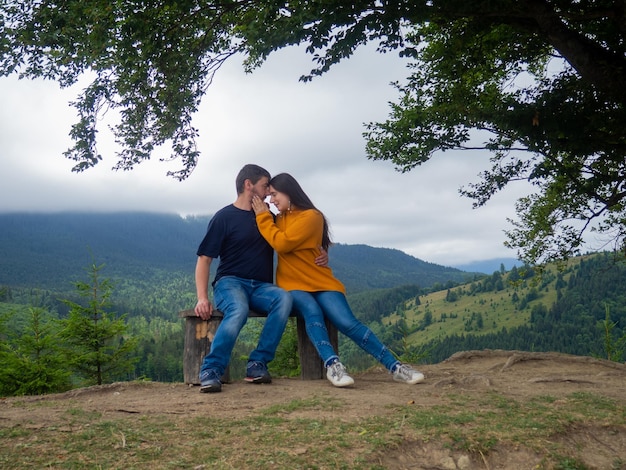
{"x":314,"y":306}
{"x":234,"y":297}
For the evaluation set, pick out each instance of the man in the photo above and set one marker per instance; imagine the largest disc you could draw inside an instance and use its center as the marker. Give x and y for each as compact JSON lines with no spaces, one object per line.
{"x":243,"y":281}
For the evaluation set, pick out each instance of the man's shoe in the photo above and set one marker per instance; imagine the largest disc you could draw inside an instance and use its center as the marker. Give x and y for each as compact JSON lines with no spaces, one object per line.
{"x":210,"y":382}
{"x":337,"y":375}
{"x":407,"y":374}
{"x":256,"y":372}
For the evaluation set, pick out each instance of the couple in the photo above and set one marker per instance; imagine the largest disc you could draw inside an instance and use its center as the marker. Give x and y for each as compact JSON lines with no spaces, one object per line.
{"x":244,"y":236}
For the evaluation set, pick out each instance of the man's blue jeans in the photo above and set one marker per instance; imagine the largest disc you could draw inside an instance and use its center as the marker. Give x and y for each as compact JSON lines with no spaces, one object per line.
{"x":234,"y":297}
{"x":314,"y":306}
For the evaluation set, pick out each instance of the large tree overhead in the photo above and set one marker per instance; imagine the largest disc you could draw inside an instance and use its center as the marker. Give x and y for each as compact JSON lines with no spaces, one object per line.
{"x":540,"y":84}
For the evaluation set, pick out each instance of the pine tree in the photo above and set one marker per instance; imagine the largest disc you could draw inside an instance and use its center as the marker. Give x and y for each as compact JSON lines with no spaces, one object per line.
{"x":97,"y":349}
{"x":34,"y":364}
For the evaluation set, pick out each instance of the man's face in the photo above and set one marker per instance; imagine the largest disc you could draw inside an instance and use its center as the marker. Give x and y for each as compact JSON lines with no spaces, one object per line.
{"x":261,"y":188}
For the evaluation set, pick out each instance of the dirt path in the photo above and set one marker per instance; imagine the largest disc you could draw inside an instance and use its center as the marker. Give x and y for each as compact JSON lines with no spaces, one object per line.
{"x":521,"y":376}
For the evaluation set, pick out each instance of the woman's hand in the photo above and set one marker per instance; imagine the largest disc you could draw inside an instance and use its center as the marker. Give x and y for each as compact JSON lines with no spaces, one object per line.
{"x":258,"y":205}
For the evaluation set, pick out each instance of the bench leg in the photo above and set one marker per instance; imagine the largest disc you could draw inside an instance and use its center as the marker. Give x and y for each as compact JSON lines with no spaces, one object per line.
{"x":198,"y":337}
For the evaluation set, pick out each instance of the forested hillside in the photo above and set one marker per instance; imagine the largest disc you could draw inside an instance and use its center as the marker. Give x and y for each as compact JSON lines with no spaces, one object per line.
{"x":423,"y":312}
{"x":49,"y":251}
{"x":580,"y":310}
{"x":362,"y":267}
{"x":150,"y":258}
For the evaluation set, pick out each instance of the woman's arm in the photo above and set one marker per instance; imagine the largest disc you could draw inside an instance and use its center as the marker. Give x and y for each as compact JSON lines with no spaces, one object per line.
{"x":304,"y":230}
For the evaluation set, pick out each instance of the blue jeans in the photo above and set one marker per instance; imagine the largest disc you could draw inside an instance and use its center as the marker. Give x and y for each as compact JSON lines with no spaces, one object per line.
{"x":234,"y":297}
{"x":314,"y":306}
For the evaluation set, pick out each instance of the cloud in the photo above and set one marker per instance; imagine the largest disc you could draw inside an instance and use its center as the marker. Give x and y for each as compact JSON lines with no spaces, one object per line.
{"x":311,"y":130}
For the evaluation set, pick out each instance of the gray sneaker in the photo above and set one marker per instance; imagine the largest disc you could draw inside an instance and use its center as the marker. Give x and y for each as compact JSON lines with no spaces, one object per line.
{"x":407,"y":374}
{"x":337,"y":375}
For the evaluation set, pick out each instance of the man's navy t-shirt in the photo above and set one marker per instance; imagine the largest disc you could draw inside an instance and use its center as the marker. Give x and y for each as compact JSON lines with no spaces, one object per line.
{"x":233,"y":236}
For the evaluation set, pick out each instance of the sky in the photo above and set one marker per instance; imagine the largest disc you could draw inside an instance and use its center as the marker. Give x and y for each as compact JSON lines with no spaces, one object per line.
{"x":312,"y":130}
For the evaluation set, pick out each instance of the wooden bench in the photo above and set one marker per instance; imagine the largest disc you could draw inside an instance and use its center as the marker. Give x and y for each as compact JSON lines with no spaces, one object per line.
{"x":200,"y":333}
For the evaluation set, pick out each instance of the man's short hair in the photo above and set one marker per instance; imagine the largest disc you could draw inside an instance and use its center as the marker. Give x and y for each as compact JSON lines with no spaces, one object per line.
{"x":250,"y":172}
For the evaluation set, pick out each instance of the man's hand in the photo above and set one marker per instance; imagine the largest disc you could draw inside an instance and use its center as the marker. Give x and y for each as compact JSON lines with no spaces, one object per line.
{"x":204,"y":309}
{"x":322,"y":258}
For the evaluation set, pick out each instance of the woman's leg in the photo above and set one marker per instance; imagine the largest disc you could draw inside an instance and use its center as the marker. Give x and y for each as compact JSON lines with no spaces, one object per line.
{"x":336,"y":309}
{"x":305,"y":305}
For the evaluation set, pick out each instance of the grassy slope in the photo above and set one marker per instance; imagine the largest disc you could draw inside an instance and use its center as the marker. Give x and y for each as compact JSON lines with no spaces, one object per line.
{"x":496,"y":308}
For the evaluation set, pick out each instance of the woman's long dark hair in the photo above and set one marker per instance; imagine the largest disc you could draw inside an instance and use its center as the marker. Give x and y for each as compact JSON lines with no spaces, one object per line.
{"x":285,"y":183}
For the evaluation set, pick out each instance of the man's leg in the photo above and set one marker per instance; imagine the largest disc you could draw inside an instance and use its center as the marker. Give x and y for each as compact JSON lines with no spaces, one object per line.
{"x":276,"y":302}
{"x":231,"y":298}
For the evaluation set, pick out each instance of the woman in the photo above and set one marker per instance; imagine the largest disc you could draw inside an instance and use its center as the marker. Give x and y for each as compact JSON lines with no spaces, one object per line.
{"x":297,"y":235}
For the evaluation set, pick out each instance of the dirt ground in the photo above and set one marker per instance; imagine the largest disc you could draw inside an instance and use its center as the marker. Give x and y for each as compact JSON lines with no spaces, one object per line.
{"x":512,"y":374}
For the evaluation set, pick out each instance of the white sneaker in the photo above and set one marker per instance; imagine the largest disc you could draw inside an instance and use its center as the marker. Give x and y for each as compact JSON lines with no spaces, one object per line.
{"x":407,"y":374}
{"x":337,"y":375}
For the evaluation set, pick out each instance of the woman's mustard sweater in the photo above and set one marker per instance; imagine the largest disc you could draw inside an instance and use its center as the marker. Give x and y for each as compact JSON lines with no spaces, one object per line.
{"x":296,"y":237}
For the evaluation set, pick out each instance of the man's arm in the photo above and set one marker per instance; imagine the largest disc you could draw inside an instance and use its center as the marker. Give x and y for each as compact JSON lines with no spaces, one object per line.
{"x":204,"y":308}
{"x":322,"y":258}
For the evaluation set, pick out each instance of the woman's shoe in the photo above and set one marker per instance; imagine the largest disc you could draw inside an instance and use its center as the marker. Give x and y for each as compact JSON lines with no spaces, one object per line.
{"x":337,"y":375}
{"x":407,"y":374}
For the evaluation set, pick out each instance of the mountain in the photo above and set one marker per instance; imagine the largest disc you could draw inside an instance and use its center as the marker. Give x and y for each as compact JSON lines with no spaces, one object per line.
{"x":51,"y":251}
{"x":489,"y":266}
{"x":362,"y":267}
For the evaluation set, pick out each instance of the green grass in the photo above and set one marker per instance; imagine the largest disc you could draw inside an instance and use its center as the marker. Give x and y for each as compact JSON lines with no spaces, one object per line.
{"x":306,"y":434}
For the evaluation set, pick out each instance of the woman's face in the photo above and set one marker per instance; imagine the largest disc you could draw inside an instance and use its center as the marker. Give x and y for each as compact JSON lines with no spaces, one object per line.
{"x":280,"y":200}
